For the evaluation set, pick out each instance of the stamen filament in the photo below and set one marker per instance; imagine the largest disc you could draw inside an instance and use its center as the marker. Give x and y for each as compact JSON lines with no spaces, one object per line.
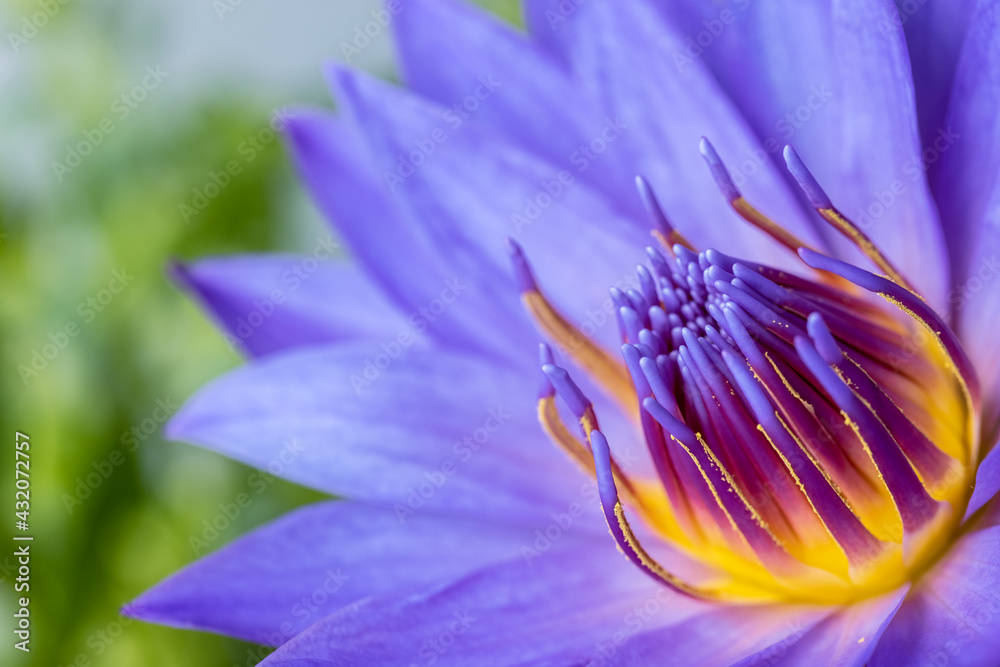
{"x":735,"y":199}
{"x":591,"y":357}
{"x":821,"y":202}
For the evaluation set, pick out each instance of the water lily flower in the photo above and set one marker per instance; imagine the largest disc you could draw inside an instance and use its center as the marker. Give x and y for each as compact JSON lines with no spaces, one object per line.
{"x":785,"y":417}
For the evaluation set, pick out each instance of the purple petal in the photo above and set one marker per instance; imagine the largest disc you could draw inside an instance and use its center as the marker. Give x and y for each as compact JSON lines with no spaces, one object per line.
{"x":880,"y":148}
{"x":968,"y":174}
{"x":550,"y":24}
{"x":935,"y":31}
{"x":846,"y":639}
{"x":831,"y":80}
{"x":722,"y":636}
{"x":275,"y":582}
{"x":392,"y":245}
{"x":987,"y":482}
{"x":556,"y":611}
{"x":489,"y":75}
{"x":626,"y":59}
{"x":413,"y":428}
{"x":953,"y":615}
{"x":473,"y":189}
{"x":273,"y":303}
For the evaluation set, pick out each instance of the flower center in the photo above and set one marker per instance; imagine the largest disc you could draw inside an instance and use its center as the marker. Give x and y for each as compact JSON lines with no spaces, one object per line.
{"x":809,"y":440}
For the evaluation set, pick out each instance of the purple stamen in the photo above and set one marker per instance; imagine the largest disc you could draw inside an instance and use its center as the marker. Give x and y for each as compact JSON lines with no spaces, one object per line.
{"x":522,"y":270}
{"x":916,"y":507}
{"x":575,"y":399}
{"x":719,"y":171}
{"x":810,"y":186}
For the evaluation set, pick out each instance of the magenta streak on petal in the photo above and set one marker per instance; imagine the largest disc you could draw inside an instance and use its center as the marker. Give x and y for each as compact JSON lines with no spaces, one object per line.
{"x":676,"y":484}
{"x":756,"y":467}
{"x":803,"y":421}
{"x":763,"y":544}
{"x":933,"y":464}
{"x":610,"y":503}
{"x":858,"y":543}
{"x":911,"y":302}
{"x":916,"y":507}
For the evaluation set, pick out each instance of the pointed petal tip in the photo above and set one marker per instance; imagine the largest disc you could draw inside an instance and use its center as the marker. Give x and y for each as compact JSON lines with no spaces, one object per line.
{"x":144,"y":608}
{"x":185,"y":424}
{"x":131,"y":610}
{"x":178,"y":273}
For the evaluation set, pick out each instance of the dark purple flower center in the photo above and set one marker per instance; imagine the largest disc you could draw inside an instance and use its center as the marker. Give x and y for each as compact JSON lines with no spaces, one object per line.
{"x":807,"y":440}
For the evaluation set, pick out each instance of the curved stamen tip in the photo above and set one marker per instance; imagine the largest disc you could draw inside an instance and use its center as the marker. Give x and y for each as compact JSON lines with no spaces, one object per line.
{"x":719,"y":171}
{"x":645,"y":193}
{"x":652,"y":204}
{"x":522,"y":270}
{"x":567,"y":389}
{"x":854,"y":274}
{"x":602,"y":466}
{"x":810,"y":186}
{"x":545,"y":357}
{"x":825,"y":343}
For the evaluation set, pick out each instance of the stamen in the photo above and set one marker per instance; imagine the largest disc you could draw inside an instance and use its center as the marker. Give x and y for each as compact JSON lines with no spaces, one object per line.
{"x":957,"y":361}
{"x":741,"y":205}
{"x":657,"y":446}
{"x":826,"y":500}
{"x":739,"y":446}
{"x":915,"y":505}
{"x":933,"y":465}
{"x":614,"y":513}
{"x":747,"y":523}
{"x":803,"y":439}
{"x":560,"y":381}
{"x":873,"y":343}
{"x":664,"y":232}
{"x":804,"y":413}
{"x":591,"y":357}
{"x":821,"y":202}
{"x":552,"y":424}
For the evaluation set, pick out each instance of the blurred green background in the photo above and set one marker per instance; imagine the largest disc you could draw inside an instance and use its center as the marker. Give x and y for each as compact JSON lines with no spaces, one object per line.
{"x":113,"y":510}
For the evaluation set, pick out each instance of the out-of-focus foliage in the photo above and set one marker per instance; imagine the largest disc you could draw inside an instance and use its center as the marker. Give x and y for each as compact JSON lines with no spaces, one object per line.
{"x":114,"y":509}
